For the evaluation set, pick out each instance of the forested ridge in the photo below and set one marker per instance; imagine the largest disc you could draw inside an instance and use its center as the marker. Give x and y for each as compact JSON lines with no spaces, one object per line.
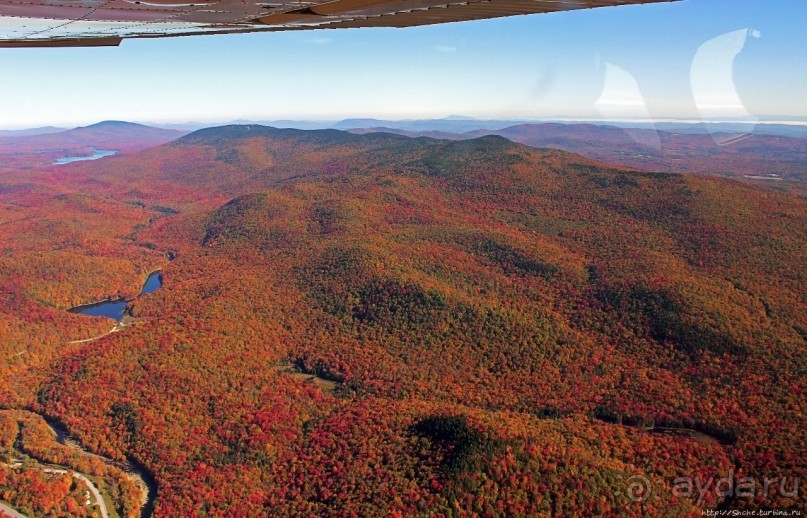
{"x":362,"y":325}
{"x":739,"y":154}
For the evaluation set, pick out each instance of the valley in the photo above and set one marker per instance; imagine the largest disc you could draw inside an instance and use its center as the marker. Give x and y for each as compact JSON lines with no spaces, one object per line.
{"x":24,"y":152}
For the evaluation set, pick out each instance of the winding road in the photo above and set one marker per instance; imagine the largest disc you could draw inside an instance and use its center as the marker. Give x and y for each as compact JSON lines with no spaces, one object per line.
{"x":99,"y":499}
{"x":134,"y":472}
{"x":117,"y":327}
{"x":8,"y":511}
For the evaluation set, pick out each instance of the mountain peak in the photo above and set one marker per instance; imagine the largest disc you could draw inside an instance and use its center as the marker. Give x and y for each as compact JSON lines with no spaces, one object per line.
{"x":234,"y":132}
{"x":458,"y":118}
{"x":114,"y":124}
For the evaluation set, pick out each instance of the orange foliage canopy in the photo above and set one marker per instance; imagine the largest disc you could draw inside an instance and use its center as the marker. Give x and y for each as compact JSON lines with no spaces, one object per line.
{"x":372,"y":325}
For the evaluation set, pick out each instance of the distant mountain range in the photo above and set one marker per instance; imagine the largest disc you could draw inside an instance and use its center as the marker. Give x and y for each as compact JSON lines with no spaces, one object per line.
{"x":769,"y":156}
{"x":684,"y":148}
{"x":108,"y":134}
{"x":453,"y":125}
{"x":461,"y":124}
{"x":783,"y":126}
{"x":25,"y":151}
{"x":31,"y":131}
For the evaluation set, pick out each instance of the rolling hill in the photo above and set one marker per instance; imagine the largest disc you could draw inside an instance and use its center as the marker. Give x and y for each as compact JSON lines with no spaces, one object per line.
{"x":725,"y":154}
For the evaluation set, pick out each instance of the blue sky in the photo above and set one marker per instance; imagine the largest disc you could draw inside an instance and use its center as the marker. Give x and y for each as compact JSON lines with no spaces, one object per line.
{"x":624,"y":62}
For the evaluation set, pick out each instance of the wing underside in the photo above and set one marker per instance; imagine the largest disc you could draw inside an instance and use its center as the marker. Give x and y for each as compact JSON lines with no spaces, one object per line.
{"x":61,"y":23}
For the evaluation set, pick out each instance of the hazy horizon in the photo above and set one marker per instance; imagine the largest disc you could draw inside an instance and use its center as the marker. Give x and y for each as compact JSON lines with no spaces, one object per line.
{"x":544,"y":120}
{"x":695,"y":60}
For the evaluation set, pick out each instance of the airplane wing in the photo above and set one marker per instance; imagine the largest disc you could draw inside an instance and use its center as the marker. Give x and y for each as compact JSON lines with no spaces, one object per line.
{"x":73,"y":23}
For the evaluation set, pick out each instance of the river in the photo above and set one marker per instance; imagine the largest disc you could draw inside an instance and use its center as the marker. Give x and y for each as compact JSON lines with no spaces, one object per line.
{"x":133,"y":469}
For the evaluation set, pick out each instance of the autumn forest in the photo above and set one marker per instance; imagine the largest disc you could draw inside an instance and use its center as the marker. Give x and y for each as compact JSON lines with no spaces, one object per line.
{"x":378,"y":325}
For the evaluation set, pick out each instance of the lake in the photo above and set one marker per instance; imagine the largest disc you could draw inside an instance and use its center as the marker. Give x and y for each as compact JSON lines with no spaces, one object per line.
{"x":116,"y":309}
{"x":96,"y":154}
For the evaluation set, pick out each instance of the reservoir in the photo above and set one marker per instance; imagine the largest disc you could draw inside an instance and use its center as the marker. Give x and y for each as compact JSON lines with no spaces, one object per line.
{"x":96,"y":154}
{"x":153,"y":283}
{"x":116,"y":309}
